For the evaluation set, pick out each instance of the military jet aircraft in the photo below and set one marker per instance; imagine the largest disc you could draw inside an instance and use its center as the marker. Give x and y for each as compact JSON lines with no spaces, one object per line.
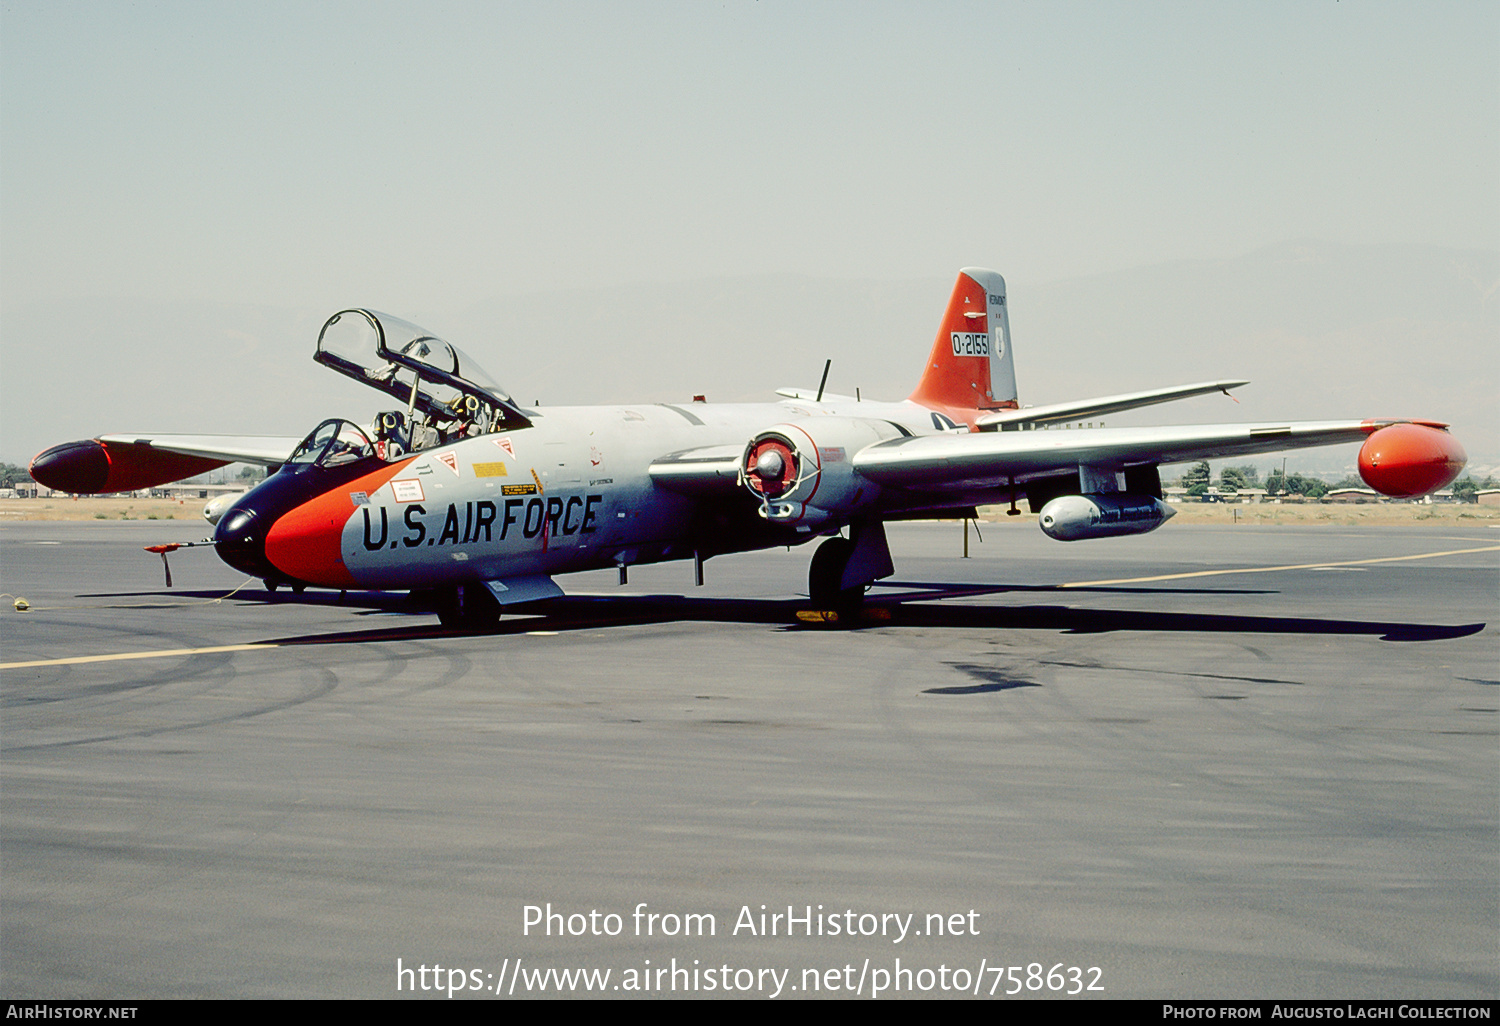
{"x":461,"y":492}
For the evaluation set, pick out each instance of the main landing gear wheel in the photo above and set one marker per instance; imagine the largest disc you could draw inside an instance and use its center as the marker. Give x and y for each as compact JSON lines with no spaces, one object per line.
{"x":467,"y":607}
{"x":825,"y":575}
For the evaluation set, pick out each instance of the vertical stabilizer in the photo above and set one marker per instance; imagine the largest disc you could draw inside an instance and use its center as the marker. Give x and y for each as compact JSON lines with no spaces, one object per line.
{"x":970,"y":370}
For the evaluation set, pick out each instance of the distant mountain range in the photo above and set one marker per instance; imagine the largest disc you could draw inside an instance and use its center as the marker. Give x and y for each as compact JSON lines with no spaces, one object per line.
{"x":1323,"y":331}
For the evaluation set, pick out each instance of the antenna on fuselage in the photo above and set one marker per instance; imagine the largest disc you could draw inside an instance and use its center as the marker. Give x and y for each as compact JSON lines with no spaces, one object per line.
{"x":827,"y":364}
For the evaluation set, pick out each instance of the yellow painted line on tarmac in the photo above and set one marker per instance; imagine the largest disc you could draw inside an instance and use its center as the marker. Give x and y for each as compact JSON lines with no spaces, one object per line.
{"x":1273,"y":569}
{"x":114,"y":657}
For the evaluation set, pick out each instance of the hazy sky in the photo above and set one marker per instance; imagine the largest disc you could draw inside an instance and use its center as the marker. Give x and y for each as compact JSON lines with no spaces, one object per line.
{"x":427,"y":157}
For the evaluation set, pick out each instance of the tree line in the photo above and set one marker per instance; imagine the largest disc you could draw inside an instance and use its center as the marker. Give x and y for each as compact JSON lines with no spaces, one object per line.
{"x":12,"y":475}
{"x":1197,"y":479}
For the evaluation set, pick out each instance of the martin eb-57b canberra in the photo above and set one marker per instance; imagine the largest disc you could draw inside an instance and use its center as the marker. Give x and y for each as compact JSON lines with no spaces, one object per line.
{"x":461,"y":492}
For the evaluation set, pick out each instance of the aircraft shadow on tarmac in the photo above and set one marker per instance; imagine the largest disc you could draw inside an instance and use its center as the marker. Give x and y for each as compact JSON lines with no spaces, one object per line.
{"x":914,"y":605}
{"x":904,"y":609}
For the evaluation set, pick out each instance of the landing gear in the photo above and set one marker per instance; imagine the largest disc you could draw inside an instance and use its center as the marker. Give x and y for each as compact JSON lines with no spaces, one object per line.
{"x":826,"y":574}
{"x":272,"y":583}
{"x":843,"y":568}
{"x":467,"y":607}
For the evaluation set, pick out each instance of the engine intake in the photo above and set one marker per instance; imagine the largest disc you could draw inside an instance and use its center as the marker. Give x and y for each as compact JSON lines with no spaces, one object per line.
{"x":803,"y":474}
{"x":771,"y":466}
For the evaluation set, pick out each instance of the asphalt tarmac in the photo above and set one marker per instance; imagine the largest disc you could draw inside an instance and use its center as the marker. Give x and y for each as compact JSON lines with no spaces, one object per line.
{"x":1187,"y":776}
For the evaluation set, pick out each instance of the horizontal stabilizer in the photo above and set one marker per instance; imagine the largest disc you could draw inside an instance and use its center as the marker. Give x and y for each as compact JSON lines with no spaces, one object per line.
{"x":1057,"y":413}
{"x":811,"y":395}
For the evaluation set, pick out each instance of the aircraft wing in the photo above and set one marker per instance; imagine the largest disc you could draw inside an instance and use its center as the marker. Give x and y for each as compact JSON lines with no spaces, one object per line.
{"x":265,"y":450}
{"x":963,"y":462}
{"x":126,"y":462}
{"x":1080,"y":408}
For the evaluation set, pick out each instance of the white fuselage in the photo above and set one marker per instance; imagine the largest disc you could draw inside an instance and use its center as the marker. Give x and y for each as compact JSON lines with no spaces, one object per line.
{"x":571,"y":492}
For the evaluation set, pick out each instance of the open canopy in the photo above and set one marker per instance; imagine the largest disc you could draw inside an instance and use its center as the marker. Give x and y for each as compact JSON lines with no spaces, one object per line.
{"x":428,"y":375}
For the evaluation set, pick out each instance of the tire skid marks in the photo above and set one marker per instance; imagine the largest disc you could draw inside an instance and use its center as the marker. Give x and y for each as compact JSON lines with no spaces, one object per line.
{"x":186,"y":697}
{"x":88,"y":633}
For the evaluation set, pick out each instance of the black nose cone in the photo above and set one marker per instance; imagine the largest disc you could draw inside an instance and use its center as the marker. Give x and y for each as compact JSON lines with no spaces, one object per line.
{"x":240,"y":536}
{"x":240,"y":540}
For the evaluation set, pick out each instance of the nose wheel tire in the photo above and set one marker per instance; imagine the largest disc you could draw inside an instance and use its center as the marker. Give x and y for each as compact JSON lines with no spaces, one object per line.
{"x":468,"y":607}
{"x":827,"y":572}
{"x":272,"y":583}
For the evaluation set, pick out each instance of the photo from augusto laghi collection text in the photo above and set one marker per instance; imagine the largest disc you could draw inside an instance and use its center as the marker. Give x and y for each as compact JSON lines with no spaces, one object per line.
{"x":988,"y":974}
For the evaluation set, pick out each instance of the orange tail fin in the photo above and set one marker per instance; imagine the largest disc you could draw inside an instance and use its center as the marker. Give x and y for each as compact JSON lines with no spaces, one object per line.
{"x":970,"y":370}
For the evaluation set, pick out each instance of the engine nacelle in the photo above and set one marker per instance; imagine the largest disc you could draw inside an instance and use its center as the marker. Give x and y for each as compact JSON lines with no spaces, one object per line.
{"x":1071,"y":517}
{"x":803,"y":473}
{"x":1407,"y":460}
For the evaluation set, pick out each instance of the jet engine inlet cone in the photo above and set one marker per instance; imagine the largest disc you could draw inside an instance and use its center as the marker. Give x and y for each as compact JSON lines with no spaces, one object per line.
{"x":770,"y":466}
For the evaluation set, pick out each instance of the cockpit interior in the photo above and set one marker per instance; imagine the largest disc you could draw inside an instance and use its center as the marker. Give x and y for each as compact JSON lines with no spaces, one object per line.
{"x":445,"y":394}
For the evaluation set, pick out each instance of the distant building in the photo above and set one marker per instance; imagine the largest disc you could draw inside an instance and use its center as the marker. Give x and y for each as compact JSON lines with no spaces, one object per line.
{"x":197,"y":490}
{"x":1353,"y":495}
{"x":1488,"y":497}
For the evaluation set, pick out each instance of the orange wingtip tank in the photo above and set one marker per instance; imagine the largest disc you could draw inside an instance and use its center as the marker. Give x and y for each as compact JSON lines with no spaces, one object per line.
{"x":1411,"y":459}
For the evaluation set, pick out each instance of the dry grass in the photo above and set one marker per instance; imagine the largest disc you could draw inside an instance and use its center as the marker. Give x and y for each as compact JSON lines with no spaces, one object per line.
{"x":93,"y":507}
